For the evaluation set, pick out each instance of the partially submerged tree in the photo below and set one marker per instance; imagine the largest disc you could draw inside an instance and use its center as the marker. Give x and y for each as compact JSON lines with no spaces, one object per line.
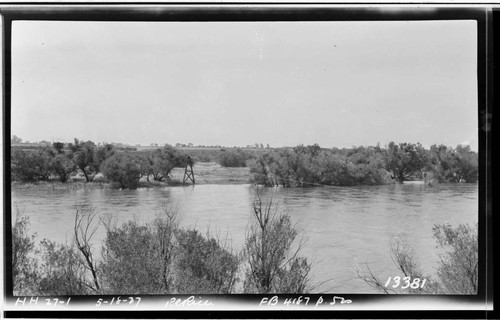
{"x":458,"y":164}
{"x":63,"y":166}
{"x":405,"y":160}
{"x":123,"y":168}
{"x":304,"y":166}
{"x":32,"y":165}
{"x":145,"y":164}
{"x":467,"y":165}
{"x":88,"y":157}
{"x":165,"y":160}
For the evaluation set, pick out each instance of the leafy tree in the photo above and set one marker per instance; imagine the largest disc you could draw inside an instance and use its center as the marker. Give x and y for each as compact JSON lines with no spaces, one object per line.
{"x":61,"y":163}
{"x":453,"y":165}
{"x":165,"y":160}
{"x":123,"y":168}
{"x":440,"y":162}
{"x":145,"y":164}
{"x":259,"y":170}
{"x":63,"y":166}
{"x":32,"y":165}
{"x":368,"y":166}
{"x":466,"y":165}
{"x":405,"y":160}
{"x":335,"y":169}
{"x":88,"y":157}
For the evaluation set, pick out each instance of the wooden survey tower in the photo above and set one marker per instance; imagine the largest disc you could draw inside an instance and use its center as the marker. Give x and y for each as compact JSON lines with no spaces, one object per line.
{"x":188,"y":172}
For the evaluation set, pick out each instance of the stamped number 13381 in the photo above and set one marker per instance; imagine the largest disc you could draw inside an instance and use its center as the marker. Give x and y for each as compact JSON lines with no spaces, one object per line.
{"x":406,"y":282}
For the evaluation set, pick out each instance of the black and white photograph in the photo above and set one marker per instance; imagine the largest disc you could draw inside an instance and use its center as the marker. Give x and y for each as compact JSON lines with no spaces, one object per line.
{"x":234,"y":157}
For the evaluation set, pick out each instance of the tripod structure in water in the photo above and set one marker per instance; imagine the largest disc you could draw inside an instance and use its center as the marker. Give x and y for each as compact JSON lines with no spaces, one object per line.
{"x":188,"y":171}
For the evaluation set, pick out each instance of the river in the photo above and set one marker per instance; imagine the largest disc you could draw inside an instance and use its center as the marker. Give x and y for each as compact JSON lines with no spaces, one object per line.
{"x":343,"y":227}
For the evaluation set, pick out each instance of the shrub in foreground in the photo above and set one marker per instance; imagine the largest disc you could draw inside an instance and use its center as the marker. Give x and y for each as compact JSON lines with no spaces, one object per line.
{"x":458,"y":267}
{"x":272,"y":265}
{"x":162,"y":258}
{"x":132,"y":263}
{"x":203,"y":265}
{"x":62,"y":271}
{"x":24,"y":265}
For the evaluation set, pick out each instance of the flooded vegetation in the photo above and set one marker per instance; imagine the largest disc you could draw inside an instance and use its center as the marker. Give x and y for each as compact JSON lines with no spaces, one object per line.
{"x":301,"y":166}
{"x":118,"y":221}
{"x":343,"y":228}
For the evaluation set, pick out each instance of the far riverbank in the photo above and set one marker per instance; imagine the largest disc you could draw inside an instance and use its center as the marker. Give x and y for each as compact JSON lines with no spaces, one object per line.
{"x":204,"y":173}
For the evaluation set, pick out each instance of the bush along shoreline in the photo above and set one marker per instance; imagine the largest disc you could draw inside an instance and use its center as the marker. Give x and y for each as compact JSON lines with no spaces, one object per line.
{"x":301,"y":166}
{"x":160,"y":257}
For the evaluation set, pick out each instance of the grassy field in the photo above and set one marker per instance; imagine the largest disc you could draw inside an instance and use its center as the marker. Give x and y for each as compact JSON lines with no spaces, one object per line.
{"x":213,"y":173}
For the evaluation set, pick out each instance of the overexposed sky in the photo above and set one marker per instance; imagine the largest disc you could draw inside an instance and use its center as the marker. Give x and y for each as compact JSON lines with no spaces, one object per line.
{"x":338,"y":84}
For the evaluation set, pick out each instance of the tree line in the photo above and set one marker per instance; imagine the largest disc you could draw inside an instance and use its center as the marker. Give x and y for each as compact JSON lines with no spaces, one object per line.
{"x":311,"y":165}
{"x":123,"y":167}
{"x":300,"y":166}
